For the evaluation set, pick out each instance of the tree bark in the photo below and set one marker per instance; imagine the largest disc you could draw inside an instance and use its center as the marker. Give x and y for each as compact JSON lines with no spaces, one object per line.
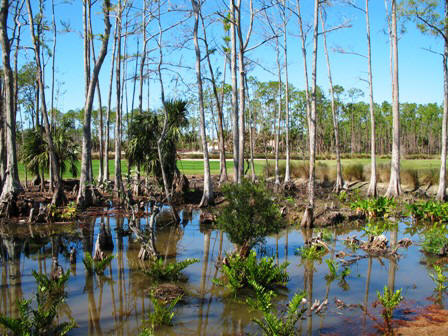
{"x":207,"y":196}
{"x":441,"y":192}
{"x":339,"y":179}
{"x":279,"y":113}
{"x":235,"y":117}
{"x":242,"y":94}
{"x":84,"y":194}
{"x":372,"y":190}
{"x":285,"y":56}
{"x":307,"y":219}
{"x":11,"y":183}
{"x":394,"y":188}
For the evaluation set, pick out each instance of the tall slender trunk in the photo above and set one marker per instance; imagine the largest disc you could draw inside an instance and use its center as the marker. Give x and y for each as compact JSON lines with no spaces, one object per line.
{"x":441,"y":193}
{"x":251,"y":135}
{"x":11,"y":185}
{"x":53,"y":60}
{"x":106,"y":175}
{"x":242,"y":96}
{"x":279,"y":112}
{"x":58,"y":195}
{"x":235,"y":118}
{"x":207,"y":196}
{"x":394,"y":188}
{"x":118,"y":179}
{"x":285,"y":56}
{"x":339,"y":180}
{"x":85,"y":195}
{"x":307,"y":219}
{"x":372,"y":190}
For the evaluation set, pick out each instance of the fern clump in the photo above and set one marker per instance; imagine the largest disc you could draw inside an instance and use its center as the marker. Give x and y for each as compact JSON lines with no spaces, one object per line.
{"x":40,"y":320}
{"x":274,"y":324}
{"x":161,"y":314}
{"x":374,"y":207}
{"x":311,"y":252}
{"x":161,"y":271}
{"x":249,"y":215}
{"x":239,"y":272}
{"x":96,"y":266}
{"x":435,"y":240}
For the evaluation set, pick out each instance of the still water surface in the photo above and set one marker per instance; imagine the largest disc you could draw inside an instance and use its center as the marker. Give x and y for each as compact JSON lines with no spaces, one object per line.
{"x":117,"y":303}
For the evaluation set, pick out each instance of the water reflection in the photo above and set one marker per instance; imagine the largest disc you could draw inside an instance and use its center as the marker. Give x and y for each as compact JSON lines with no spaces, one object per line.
{"x":117,"y":302}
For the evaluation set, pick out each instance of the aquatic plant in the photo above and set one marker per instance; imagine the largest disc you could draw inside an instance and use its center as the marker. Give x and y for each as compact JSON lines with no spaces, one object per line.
{"x":162,"y":313}
{"x":161,"y":271}
{"x":249,"y":215}
{"x":435,"y":240}
{"x":389,"y":300}
{"x":40,"y":320}
{"x":374,"y":207}
{"x":312,"y":252}
{"x":97,"y":266}
{"x":274,"y":324}
{"x":376,"y":228}
{"x":239,"y":272}
{"x":439,"y":278}
{"x":53,"y":287}
{"x":434,"y":211}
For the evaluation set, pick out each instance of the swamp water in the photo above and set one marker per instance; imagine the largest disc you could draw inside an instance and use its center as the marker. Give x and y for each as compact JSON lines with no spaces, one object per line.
{"x":117,"y":303}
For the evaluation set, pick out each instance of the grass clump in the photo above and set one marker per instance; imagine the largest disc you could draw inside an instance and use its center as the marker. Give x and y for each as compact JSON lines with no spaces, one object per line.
{"x":96,"y":266}
{"x":353,"y":172}
{"x":239,"y":272}
{"x":312,"y":252}
{"x":374,"y":207}
{"x":160,"y":271}
{"x":249,"y":215}
{"x":274,"y":324}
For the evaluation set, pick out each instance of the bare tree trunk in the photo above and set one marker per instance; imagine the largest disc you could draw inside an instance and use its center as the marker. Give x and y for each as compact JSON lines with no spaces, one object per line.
{"x":11,"y":183}
{"x":118,"y":187}
{"x":371,"y":191}
{"x":242,"y":93}
{"x":235,"y":117}
{"x":441,"y":193}
{"x":279,"y":112}
{"x":53,"y":60}
{"x":339,"y":179}
{"x":106,"y":175}
{"x":307,"y":219}
{"x":85,"y":194}
{"x":219,"y":105}
{"x":207,"y":196}
{"x":251,"y":135}
{"x":394,"y":188}
{"x":58,"y":195}
{"x":285,"y":56}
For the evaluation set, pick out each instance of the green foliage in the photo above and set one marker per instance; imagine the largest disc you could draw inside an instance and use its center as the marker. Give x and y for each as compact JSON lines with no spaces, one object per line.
{"x":239,"y":273}
{"x":161,"y":271}
{"x":274,"y":324}
{"x":162,"y":314}
{"x":312,"y":252}
{"x":435,"y":239}
{"x":434,"y":211}
{"x":54,"y":288}
{"x":389,"y":300}
{"x":439,"y":278}
{"x":374,"y":207}
{"x":376,"y":228}
{"x":96,"y":266}
{"x":333,"y":273}
{"x":40,"y":321}
{"x":249,"y":215}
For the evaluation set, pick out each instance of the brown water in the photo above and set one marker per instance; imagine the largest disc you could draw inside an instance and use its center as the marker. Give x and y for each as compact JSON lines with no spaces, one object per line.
{"x":118,"y":303}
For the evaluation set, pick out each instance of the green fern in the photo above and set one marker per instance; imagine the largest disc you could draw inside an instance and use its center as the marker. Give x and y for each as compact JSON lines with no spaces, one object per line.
{"x":96,"y":266}
{"x":161,"y":271}
{"x":52,"y":287}
{"x":162,"y":314}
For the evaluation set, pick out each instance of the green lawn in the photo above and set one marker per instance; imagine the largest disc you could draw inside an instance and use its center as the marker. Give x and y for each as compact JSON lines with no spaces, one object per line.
{"x":196,"y":167}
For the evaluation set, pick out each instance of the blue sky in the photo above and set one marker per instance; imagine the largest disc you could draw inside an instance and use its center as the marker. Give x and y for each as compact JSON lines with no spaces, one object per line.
{"x":420,"y":72}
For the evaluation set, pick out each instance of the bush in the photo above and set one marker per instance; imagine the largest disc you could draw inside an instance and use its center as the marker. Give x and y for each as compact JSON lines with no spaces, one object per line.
{"x":374,"y":207}
{"x":435,"y":240}
{"x":353,"y":172}
{"x":97,"y":266}
{"x":161,"y":271}
{"x":239,"y":272}
{"x":249,"y":215}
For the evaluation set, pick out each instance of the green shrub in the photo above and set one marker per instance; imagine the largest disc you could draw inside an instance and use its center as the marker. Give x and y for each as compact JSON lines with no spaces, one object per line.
{"x":249,"y":215}
{"x":439,"y":278}
{"x":433,"y":210}
{"x":389,"y":300}
{"x":162,"y":314}
{"x":376,"y":228}
{"x":435,"y":240}
{"x":312,"y":252}
{"x":160,"y":271}
{"x":53,"y":288}
{"x":97,"y":266}
{"x":239,"y":273}
{"x":374,"y":207}
{"x":274,"y":324}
